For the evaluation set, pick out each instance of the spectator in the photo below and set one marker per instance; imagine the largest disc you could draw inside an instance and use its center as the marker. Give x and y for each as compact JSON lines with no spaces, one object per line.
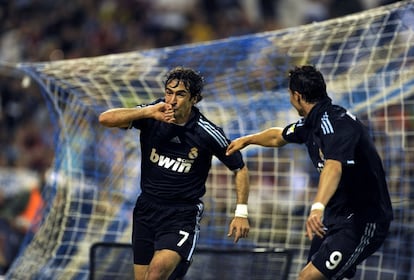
{"x":18,"y":212}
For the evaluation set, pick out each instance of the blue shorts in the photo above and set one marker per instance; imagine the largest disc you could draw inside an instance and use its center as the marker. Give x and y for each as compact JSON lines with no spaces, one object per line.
{"x":340,"y":251}
{"x":161,"y":225}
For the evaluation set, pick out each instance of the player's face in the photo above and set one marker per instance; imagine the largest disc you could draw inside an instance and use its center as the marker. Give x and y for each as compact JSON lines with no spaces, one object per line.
{"x":179,"y":97}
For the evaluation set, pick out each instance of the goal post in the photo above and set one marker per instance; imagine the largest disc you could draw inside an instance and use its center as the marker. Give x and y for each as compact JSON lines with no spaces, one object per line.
{"x":90,"y":190}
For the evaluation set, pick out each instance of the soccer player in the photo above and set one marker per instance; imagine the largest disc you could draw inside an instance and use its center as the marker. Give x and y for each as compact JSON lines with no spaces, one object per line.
{"x":351,"y":212}
{"x":177,"y":146}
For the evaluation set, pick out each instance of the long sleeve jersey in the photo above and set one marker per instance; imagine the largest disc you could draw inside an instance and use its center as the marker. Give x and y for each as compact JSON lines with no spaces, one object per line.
{"x":176,"y":159}
{"x":331,"y":132}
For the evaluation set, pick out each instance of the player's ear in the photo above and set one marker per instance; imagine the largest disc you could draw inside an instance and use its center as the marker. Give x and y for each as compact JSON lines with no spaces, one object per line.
{"x":297,"y":96}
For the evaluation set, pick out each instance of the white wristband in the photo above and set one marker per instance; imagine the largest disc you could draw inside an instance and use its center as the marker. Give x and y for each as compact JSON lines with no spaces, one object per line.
{"x":241,"y":211}
{"x":318,"y":206}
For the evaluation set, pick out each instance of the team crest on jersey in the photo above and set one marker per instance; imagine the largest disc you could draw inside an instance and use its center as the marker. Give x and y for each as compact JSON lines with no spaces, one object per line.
{"x":291,"y":129}
{"x":193,"y":153}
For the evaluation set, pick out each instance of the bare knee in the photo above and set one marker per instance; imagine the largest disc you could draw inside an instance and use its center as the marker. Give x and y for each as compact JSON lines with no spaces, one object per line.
{"x":310,"y":272}
{"x":158,"y":271}
{"x":162,"y":265}
{"x":140,"y":271}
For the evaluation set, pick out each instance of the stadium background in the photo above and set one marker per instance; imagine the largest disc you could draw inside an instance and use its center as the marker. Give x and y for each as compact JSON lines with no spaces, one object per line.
{"x":94,"y":28}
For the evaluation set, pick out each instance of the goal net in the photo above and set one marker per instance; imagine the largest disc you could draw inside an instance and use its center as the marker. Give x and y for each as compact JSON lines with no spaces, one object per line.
{"x":367,"y":59}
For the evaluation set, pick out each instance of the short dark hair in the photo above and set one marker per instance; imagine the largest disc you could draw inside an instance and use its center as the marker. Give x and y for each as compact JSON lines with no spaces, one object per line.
{"x":192,"y":80}
{"x":309,"y":82}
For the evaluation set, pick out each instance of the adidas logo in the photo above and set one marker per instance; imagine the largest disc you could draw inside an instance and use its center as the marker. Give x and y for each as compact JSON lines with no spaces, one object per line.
{"x":175,"y":139}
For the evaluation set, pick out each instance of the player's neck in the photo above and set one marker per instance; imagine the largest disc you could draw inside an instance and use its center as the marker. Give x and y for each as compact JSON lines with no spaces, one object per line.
{"x":184,"y":120}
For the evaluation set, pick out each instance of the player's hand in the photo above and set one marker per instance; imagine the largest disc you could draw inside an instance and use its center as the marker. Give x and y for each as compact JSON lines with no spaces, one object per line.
{"x":163,"y":112}
{"x":239,"y":227}
{"x":314,"y":224}
{"x":236,"y":145}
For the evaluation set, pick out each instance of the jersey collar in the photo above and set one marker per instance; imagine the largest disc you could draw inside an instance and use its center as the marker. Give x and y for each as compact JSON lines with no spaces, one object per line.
{"x":317,"y":110}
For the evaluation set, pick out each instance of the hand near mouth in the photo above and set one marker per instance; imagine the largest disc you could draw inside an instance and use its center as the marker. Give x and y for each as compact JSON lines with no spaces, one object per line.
{"x":163,"y":112}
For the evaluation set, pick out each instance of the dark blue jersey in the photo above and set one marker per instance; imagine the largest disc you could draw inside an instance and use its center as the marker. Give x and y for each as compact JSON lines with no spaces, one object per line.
{"x":331,"y":132}
{"x":176,"y":159}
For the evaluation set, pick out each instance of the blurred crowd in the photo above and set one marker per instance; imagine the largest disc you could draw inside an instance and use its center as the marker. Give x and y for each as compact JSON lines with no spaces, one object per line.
{"x":46,"y":30}
{"x":42,"y":30}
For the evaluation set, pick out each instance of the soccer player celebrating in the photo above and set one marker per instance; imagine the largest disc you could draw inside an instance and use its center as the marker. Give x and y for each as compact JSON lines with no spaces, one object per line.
{"x":351,"y":212}
{"x":177,"y":146}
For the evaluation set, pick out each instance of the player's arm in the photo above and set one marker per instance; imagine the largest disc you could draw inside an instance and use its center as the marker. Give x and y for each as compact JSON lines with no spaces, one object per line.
{"x":328,"y":184}
{"x":271,"y":137}
{"x":122,"y":117}
{"x":239,"y":226}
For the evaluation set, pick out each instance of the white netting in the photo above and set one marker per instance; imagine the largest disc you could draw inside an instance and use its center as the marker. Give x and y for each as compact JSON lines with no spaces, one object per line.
{"x":367,"y":60}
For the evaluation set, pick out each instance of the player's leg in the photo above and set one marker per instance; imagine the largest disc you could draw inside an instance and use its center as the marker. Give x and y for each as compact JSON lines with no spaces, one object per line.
{"x":139,"y":271}
{"x":181,"y":270}
{"x":143,"y":253}
{"x":343,"y":249}
{"x":171,"y":238}
{"x":179,"y":234}
{"x":142,"y":238}
{"x":336,"y":254}
{"x":162,"y":264}
{"x":310,"y":272}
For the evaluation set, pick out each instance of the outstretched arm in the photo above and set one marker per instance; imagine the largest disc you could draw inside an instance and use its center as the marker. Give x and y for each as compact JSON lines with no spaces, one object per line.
{"x":122,"y":117}
{"x":271,"y":137}
{"x":239,"y":226}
